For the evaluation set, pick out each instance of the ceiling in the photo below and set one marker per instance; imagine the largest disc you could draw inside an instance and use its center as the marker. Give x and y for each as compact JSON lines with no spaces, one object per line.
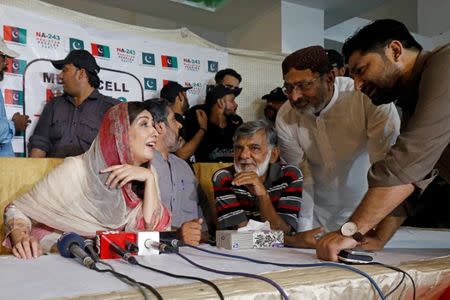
{"x":231,"y":15}
{"x":235,"y":13}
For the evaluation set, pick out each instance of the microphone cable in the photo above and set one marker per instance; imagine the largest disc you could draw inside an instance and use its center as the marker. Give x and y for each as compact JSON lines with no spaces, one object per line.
{"x":398,"y":270}
{"x":169,"y":249}
{"x":396,"y":287}
{"x":254,"y":276}
{"x":131,"y":282}
{"x":322,"y":264}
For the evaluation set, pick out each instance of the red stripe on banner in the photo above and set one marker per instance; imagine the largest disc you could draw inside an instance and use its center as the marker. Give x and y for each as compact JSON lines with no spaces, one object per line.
{"x":9,"y":65}
{"x":164,"y":60}
{"x":7,"y":33}
{"x":94,"y":48}
{"x":9,"y":96}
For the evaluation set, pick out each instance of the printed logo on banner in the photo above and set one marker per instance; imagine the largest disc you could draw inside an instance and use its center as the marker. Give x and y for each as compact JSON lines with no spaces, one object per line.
{"x":169,"y":62}
{"x":75,"y":44}
{"x":113,"y":86}
{"x":14,"y":34}
{"x":148,"y":59}
{"x":213,"y":66}
{"x":48,"y":40}
{"x":191,"y":64}
{"x":13,"y":97}
{"x":49,"y":95}
{"x":100,"y":51}
{"x":126,"y":55}
{"x":150,"y":84}
{"x":15,"y":66}
{"x":51,"y":78}
{"x":197,"y":87}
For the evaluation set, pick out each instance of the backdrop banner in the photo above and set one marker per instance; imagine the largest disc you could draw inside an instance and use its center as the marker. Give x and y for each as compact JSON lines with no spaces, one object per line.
{"x":133,"y":68}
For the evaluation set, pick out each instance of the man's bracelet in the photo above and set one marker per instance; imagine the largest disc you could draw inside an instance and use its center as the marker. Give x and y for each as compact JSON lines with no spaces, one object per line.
{"x":203,"y":129}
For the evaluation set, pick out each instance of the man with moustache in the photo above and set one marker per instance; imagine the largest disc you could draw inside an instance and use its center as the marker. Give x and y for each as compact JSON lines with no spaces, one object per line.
{"x":18,"y":121}
{"x":220,"y":107}
{"x":332,"y":132}
{"x":257,"y":186}
{"x":388,"y":64}
{"x":178,"y":185}
{"x":177,"y":99}
{"x":69,"y":123}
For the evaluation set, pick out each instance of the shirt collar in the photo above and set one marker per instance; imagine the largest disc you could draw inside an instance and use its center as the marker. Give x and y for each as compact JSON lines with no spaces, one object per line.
{"x":408,"y":96}
{"x":332,"y":101}
{"x":93,"y":96}
{"x":273,"y":173}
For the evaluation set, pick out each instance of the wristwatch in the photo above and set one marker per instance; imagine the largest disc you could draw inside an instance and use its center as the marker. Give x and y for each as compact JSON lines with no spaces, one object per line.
{"x":350,"y":229}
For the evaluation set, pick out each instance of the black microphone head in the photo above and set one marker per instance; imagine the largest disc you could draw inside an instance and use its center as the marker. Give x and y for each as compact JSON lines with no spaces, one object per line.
{"x":67,"y":240}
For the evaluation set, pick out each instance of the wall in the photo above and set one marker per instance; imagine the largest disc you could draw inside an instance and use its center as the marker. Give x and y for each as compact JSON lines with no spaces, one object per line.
{"x":404,"y":11}
{"x":262,"y":33}
{"x":301,"y":27}
{"x":433,"y":17}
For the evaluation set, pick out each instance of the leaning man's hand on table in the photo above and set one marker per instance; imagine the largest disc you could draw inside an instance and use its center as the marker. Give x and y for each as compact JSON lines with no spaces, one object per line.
{"x":331,"y":244}
{"x":304,"y":239}
{"x":191,"y":232}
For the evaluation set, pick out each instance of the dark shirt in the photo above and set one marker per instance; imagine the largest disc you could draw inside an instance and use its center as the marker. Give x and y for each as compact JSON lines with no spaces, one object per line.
{"x":235,"y":204}
{"x":217,"y":144}
{"x":66,"y":130}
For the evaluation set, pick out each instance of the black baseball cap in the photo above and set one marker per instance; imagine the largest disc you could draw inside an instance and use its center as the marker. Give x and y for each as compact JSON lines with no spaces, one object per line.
{"x":215,"y":92}
{"x":171,"y":89}
{"x":80,"y":59}
{"x":275,"y":95}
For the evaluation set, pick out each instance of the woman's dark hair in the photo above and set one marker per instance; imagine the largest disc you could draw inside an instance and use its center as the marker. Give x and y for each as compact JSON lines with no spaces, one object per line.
{"x":158,"y":108}
{"x":134,"y":109}
{"x":375,"y":36}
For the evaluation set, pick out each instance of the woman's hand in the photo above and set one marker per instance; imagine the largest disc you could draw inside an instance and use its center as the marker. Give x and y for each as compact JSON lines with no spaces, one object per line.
{"x":27,"y":248}
{"x":122,"y":174}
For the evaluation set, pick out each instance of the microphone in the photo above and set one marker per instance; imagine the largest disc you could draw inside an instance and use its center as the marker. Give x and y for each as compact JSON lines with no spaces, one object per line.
{"x":71,"y":245}
{"x":170,"y":238}
{"x":122,"y":253}
{"x":89,"y":248}
{"x":175,"y":243}
{"x":162,"y":247}
{"x":131,"y":247}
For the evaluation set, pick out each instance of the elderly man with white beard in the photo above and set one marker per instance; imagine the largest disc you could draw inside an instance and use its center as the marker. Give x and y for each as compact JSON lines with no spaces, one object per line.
{"x":258,"y":187}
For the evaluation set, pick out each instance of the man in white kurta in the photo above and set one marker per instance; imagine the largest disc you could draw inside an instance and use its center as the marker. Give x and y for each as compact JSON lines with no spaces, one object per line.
{"x":335,"y":145}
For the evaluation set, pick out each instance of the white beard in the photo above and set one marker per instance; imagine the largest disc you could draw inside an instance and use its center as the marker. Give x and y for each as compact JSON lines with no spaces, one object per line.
{"x":260,"y":169}
{"x":307,"y":111}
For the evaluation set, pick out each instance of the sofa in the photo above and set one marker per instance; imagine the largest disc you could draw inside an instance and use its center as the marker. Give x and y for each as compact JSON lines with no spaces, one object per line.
{"x":18,"y":175}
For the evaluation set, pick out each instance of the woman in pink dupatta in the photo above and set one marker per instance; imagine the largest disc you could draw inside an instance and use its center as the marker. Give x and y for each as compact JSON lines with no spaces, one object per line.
{"x":110,"y":187}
